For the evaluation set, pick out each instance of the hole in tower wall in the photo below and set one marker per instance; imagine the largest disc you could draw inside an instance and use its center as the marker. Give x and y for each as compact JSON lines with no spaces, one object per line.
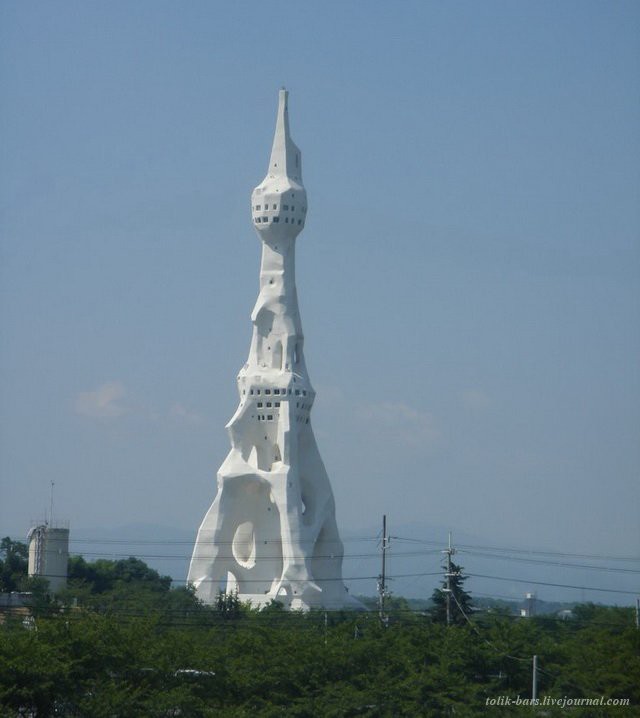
{"x":244,"y":545}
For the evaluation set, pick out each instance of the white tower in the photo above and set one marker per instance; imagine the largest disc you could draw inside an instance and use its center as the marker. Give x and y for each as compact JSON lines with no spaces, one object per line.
{"x":271,"y":531}
{"x":49,"y":555}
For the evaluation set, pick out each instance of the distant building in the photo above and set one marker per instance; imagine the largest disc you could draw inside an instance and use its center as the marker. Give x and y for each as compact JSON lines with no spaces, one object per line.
{"x":529,"y":608}
{"x":49,"y":555}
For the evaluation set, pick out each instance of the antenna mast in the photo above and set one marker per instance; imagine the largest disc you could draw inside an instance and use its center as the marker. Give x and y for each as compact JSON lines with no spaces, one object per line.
{"x":51,"y":505}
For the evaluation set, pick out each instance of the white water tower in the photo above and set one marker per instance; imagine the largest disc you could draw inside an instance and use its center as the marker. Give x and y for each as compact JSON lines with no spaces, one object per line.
{"x":49,"y":555}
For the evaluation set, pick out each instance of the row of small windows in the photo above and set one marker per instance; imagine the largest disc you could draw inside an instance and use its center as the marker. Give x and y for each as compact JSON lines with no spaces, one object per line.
{"x":276,"y":405}
{"x":269,"y":417}
{"x":285,"y":207}
{"x":265,"y":220}
{"x":279,"y":391}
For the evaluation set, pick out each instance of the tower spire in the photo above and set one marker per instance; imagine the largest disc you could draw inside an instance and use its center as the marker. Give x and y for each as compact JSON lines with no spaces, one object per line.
{"x":285,"y":156}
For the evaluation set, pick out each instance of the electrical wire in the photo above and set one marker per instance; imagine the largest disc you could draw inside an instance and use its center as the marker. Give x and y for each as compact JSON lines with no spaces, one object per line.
{"x":563,"y":564}
{"x":556,"y":585}
{"x":603,"y":557}
{"x":183,"y":557}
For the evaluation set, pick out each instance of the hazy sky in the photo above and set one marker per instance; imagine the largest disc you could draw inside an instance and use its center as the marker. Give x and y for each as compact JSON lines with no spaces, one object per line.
{"x":468,"y":276}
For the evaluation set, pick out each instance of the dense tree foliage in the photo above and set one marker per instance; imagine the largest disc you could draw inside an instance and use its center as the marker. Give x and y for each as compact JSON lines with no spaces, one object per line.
{"x":13,"y":565}
{"x":460,"y":603}
{"x":132,"y":646}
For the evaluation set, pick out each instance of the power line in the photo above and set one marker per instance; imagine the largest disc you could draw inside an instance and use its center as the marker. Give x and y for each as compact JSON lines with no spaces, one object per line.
{"x":466,"y":548}
{"x":563,"y":564}
{"x":259,"y":580}
{"x":402,"y":554}
{"x":600,"y":557}
{"x":516,"y":658}
{"x":190,"y":542}
{"x":261,"y":558}
{"x":603,"y":557}
{"x":557,"y":585}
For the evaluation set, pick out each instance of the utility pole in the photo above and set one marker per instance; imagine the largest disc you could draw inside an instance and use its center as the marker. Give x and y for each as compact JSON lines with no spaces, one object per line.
{"x":382,"y":579}
{"x":449,"y":573}
{"x":637,"y":613}
{"x":534,"y":681}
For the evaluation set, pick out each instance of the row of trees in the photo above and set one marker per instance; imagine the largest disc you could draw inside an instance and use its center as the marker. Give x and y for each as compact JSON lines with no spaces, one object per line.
{"x":122,"y":642}
{"x":13,"y":565}
{"x":111,"y":579}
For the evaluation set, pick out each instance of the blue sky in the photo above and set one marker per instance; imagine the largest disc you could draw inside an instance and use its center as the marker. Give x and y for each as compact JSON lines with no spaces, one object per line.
{"x":468,"y":276}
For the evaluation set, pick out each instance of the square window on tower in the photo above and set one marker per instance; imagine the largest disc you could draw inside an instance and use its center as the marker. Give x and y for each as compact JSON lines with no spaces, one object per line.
{"x":259,"y":405}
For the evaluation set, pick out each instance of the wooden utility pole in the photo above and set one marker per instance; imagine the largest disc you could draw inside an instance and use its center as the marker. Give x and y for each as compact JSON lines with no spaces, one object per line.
{"x":382,"y":579}
{"x":449,"y":573}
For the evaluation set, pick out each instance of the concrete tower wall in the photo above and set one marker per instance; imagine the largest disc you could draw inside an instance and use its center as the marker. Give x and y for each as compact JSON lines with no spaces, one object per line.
{"x":49,"y":555}
{"x":271,"y":531}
